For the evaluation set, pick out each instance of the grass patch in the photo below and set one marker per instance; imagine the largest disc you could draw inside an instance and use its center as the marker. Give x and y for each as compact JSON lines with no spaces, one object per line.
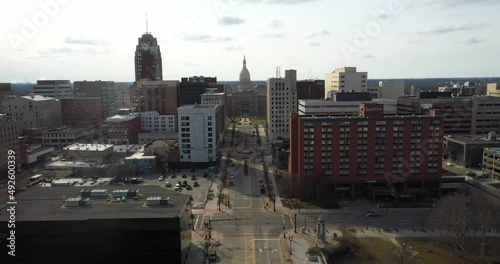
{"x":371,"y":250}
{"x":440,"y":250}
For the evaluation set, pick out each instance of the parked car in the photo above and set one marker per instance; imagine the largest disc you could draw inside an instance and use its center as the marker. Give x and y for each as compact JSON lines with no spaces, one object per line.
{"x":188,"y":187}
{"x":193,"y":178}
{"x":261,"y":180}
{"x":136,"y":180}
{"x":372,"y":213}
{"x":161,"y":178}
{"x":173,"y":176}
{"x":231,"y":183}
{"x":232,"y":176}
{"x":184,"y":183}
{"x":196,"y":184}
{"x":168,"y":185}
{"x":472,"y":174}
{"x":177,"y":187}
{"x":184,"y":175}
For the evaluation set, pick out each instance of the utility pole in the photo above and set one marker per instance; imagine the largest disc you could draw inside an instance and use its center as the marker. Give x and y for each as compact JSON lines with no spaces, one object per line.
{"x":366,"y":222}
{"x":295,"y":223}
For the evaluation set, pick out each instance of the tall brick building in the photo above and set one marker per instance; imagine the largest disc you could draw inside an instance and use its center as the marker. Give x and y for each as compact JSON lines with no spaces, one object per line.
{"x":82,"y":112}
{"x":370,"y":155}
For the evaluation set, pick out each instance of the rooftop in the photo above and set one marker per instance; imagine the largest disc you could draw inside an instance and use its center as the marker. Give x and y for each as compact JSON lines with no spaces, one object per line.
{"x":191,"y":106}
{"x":209,"y":93}
{"x":347,"y":118}
{"x":158,"y":143}
{"x":39,"y":98}
{"x":47,"y":204}
{"x":473,"y":139}
{"x":121,"y":118}
{"x":88,"y":147}
{"x":139,"y":156}
{"x":127,"y":148}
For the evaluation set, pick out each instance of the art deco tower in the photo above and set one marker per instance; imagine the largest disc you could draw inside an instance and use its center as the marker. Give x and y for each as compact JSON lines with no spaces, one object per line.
{"x":147,"y":60}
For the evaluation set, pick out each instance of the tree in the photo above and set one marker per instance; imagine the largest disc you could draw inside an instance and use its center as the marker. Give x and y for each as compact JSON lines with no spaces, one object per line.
{"x":455,"y":214}
{"x":483,"y":209}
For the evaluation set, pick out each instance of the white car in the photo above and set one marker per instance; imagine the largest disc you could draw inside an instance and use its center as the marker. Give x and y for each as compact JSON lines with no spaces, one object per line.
{"x":161,"y":178}
{"x":232,"y":176}
{"x":261,"y":180}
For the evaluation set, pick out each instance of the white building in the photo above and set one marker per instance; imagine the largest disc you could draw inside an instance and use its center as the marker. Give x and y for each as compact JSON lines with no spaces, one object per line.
{"x":391,"y":89}
{"x":281,"y":101}
{"x":342,"y":108}
{"x":346,"y":79}
{"x":54,"y":88}
{"x":64,"y":136}
{"x":152,"y":121}
{"x":122,"y":95}
{"x":198,"y":135}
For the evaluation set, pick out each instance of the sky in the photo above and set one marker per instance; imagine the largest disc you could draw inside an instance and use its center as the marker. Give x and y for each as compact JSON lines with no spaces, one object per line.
{"x":96,"y":40}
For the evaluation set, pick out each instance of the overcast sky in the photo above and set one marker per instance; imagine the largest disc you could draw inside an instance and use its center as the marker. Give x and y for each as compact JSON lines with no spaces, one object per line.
{"x":95,"y":40}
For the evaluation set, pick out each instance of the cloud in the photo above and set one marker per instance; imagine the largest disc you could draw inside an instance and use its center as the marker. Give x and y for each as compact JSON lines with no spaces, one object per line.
{"x":433,"y":30}
{"x":84,"y":41}
{"x":233,"y":48}
{"x":204,"y":37}
{"x":318,"y":33}
{"x":413,"y":41}
{"x":47,"y":53}
{"x":369,"y":56}
{"x":230,"y":21}
{"x":272,"y":35}
{"x":276,"y":23}
{"x":472,"y":40}
{"x":314,"y":44}
{"x":454,"y":3}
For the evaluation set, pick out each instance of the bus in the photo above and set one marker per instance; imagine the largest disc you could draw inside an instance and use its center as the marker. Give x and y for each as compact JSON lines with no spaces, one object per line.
{"x":34,"y":180}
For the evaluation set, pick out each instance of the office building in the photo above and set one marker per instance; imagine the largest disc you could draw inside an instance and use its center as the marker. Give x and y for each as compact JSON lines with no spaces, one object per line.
{"x":122,"y":95}
{"x":123,"y":128}
{"x":64,"y":136}
{"x":493,"y":89}
{"x":281,"y":102}
{"x":199,"y":130}
{"x":103,"y":224}
{"x":391,"y":89}
{"x":141,"y":163}
{"x":342,"y":108}
{"x":54,"y":88}
{"x":5,"y":92}
{"x":368,"y":155}
{"x":102,"y":89}
{"x":159,"y":96}
{"x":311,"y":89}
{"x":9,"y":140}
{"x":147,"y":60}
{"x":91,"y":153}
{"x":491,"y":163}
{"x":33,"y":111}
{"x":467,"y":150}
{"x":485,"y":115}
{"x":152,"y":122}
{"x":191,"y":89}
{"x":84,"y":112}
{"x":345,"y":79}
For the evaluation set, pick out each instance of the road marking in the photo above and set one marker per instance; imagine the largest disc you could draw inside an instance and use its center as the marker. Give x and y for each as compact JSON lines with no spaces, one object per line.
{"x":253,"y":246}
{"x":196,"y":223}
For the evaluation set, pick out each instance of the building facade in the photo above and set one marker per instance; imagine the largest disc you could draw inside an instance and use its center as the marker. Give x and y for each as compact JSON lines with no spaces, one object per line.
{"x":491,"y":163}
{"x":281,"y":102}
{"x":54,"y":88}
{"x":191,"y":89}
{"x":467,"y":150}
{"x":92,"y":153}
{"x":346,"y":79}
{"x":65,"y":136}
{"x":82,"y":112}
{"x":9,"y":140}
{"x":147,"y":60}
{"x":485,"y":115}
{"x":247,"y":104}
{"x":33,"y":111}
{"x":331,"y":157}
{"x":102,"y":89}
{"x":198,"y":133}
{"x":122,"y":95}
{"x":342,"y":108}
{"x":311,"y":89}
{"x":153,"y":122}
{"x":391,"y":89}
{"x":493,"y":89}
{"x":123,"y":128}
{"x":159,"y":96}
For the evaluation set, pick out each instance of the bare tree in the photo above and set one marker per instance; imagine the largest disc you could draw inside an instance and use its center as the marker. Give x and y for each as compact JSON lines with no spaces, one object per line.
{"x":483,"y":209}
{"x":456,"y":213}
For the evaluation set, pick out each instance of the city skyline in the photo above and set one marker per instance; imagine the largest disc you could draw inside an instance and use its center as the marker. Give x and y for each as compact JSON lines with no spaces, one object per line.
{"x":389,"y":39}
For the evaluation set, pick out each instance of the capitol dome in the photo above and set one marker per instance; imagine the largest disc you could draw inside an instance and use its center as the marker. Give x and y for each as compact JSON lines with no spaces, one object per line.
{"x":244,"y":82}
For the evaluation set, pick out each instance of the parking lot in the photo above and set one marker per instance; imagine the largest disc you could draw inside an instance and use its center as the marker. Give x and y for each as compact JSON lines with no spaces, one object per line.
{"x":199,"y":193}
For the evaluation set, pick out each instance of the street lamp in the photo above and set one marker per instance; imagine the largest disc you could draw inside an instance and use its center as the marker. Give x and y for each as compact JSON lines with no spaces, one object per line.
{"x":367,"y":222}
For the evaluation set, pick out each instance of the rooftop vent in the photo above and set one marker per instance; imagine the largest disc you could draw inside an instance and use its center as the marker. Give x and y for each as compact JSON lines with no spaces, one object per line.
{"x":157,"y":201}
{"x":77,"y":202}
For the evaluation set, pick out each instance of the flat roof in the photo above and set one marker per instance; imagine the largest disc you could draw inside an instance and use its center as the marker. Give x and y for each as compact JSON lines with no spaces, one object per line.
{"x":47,"y":204}
{"x":126,"y":148}
{"x":381,"y":117}
{"x":121,"y":118}
{"x":88,"y":147}
{"x":140,"y":156}
{"x":472,"y":139}
{"x":38,"y":98}
{"x":191,"y":106}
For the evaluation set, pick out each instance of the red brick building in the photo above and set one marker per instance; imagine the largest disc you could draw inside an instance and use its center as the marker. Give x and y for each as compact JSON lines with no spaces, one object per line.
{"x":371,"y":155}
{"x":84,"y":112}
{"x":124,"y":128}
{"x":310,"y":89}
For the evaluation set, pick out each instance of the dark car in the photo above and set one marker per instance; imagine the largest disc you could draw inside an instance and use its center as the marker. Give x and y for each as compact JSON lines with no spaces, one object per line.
{"x":372,"y":213}
{"x":188,"y":187}
{"x":212,"y":256}
{"x":173,"y":176}
{"x":231,"y":183}
{"x":196,"y":184}
{"x":168,"y":185}
{"x":184,"y":183}
{"x":193,"y":177}
{"x":184,"y":175}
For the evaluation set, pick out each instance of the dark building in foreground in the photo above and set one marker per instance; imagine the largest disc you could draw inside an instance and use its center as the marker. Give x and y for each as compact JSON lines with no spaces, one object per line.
{"x":310,"y":89}
{"x":369,"y":155}
{"x":94,"y":225}
{"x":191,"y":89}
